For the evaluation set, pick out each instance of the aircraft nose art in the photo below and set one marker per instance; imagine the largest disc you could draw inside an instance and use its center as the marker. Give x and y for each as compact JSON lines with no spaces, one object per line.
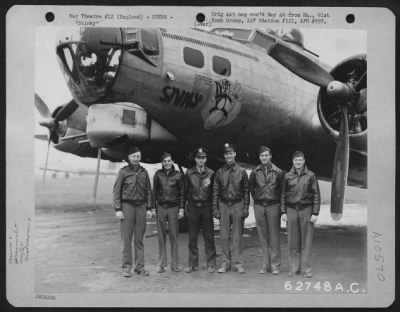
{"x":90,"y":63}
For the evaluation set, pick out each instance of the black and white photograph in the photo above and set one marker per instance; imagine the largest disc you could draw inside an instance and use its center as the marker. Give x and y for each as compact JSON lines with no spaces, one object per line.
{"x":203,"y":160}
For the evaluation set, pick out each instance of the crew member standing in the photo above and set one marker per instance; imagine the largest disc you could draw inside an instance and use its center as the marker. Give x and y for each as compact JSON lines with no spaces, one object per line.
{"x":169,"y":201}
{"x":131,"y":200}
{"x":300,"y":204}
{"x":231,"y":205}
{"x":265,"y":187}
{"x":198,"y":188}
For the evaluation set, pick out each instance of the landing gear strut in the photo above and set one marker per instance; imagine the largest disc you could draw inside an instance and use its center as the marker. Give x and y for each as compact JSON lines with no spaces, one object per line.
{"x":183,"y":222}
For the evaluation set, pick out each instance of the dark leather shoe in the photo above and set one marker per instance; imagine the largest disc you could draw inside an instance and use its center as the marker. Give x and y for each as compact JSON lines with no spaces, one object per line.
{"x":143,"y":272}
{"x":223,"y":269}
{"x":308,"y":274}
{"x":238,"y":268}
{"x":191,"y":269}
{"x":263,"y":270}
{"x":175,"y":270}
{"x":126,"y":274}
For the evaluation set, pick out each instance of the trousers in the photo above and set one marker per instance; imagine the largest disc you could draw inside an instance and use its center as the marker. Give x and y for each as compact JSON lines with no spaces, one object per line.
{"x":167,"y":220}
{"x":201,"y":218}
{"x":231,"y":217}
{"x":300,"y":235}
{"x":268,"y":221}
{"x":133,"y":224}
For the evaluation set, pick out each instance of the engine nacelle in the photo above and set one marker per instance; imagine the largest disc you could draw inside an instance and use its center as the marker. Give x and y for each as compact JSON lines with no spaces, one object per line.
{"x":329,"y":113}
{"x":108,"y":123}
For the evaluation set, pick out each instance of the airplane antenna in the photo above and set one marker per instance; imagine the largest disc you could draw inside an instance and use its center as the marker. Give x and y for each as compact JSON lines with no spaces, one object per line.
{"x":96,"y":181}
{"x":47,"y":161}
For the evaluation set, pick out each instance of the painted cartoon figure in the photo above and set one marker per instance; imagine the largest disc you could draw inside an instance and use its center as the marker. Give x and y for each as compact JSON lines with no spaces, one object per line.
{"x":223,"y":100}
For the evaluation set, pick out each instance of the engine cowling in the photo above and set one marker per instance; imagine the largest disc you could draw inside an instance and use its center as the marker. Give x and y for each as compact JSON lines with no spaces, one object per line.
{"x":70,"y":136}
{"x":348,"y":71}
{"x":108,"y":123}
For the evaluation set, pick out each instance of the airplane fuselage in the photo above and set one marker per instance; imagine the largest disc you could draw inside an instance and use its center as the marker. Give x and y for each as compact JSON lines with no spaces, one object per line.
{"x":257,"y":89}
{"x":207,"y":90}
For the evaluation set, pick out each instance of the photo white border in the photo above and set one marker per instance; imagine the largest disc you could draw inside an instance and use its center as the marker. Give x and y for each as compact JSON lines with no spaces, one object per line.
{"x":21,"y":22}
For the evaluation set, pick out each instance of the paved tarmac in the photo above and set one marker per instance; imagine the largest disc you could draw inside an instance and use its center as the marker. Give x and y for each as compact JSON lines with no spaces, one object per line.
{"x":76,"y":248}
{"x":78,"y":251}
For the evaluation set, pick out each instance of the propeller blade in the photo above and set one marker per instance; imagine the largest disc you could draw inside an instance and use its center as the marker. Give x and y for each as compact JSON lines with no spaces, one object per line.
{"x":361,"y":86}
{"x":54,"y":136}
{"x":300,"y":65}
{"x":340,"y":168}
{"x":66,"y":111}
{"x":47,"y":160}
{"x":361,"y":105}
{"x":362,"y":83}
{"x":43,"y":137}
{"x":42,"y":107}
{"x":96,"y":180}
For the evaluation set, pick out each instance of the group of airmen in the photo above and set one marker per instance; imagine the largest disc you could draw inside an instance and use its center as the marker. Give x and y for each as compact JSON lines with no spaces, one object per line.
{"x":201,"y":194}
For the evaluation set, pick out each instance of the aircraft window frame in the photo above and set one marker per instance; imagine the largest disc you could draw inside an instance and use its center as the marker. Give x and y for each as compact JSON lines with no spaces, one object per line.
{"x":190,"y":52}
{"x":242,"y":35}
{"x":149,"y":48}
{"x":66,"y":54}
{"x":131,"y":34}
{"x":229,"y":70}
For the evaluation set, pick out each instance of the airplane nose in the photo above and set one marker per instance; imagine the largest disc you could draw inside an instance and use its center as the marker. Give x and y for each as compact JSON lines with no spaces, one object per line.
{"x":91,"y":63}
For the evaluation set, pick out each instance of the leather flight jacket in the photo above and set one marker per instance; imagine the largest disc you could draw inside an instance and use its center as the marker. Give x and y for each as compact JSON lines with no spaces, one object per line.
{"x":132,"y":185}
{"x":168,"y":188}
{"x":198,"y":186}
{"x":231,"y":185}
{"x":300,"y":191}
{"x":265,"y":186}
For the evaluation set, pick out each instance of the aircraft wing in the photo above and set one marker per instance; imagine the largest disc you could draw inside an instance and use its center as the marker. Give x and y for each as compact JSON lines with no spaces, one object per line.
{"x":56,"y":170}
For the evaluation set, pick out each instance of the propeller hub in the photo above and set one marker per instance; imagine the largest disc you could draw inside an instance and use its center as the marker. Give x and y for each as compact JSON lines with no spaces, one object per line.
{"x":340,"y":91}
{"x":48,"y":123}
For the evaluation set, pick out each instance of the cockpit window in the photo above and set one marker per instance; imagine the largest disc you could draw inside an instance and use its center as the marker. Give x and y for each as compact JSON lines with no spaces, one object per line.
{"x":113,"y":60}
{"x":69,"y":59}
{"x":234,"y":33}
{"x":221,"y":66}
{"x":263,"y":40}
{"x":95,"y":70}
{"x":193,"y":57}
{"x":66,"y":53}
{"x":150,"y":41}
{"x":88,"y":60}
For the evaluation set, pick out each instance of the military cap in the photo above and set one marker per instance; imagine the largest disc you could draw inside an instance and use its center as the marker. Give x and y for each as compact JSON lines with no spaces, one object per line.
{"x":297,"y":154}
{"x":199,"y":152}
{"x":263,"y":149}
{"x":165,"y":155}
{"x":228,"y":147}
{"x":133,"y":150}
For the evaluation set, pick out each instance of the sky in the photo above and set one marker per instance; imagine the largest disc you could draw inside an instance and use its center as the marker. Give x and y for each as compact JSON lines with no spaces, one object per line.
{"x":332,"y":46}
